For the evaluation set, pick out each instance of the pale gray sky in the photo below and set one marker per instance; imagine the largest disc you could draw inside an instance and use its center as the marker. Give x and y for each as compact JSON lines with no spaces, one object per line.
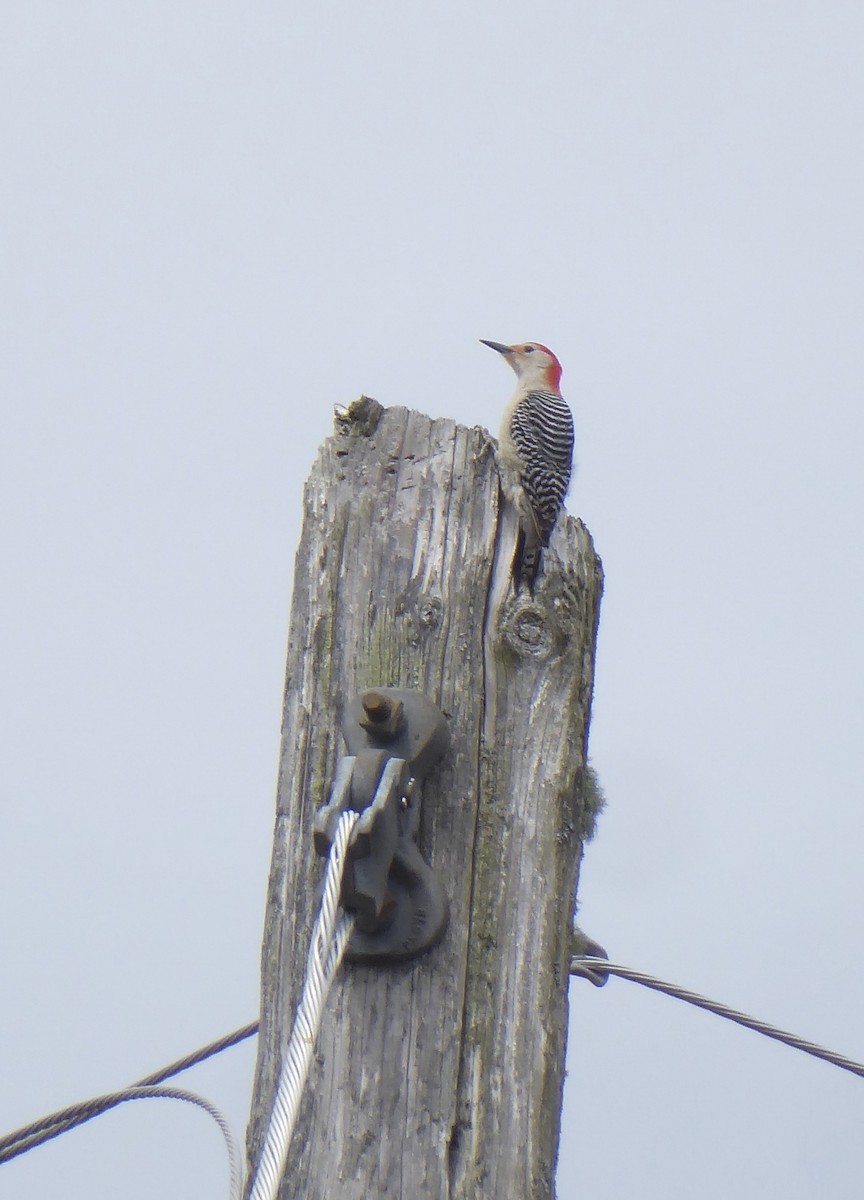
{"x":218,"y":220}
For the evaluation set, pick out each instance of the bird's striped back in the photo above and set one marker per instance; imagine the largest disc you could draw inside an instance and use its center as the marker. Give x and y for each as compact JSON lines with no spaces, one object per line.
{"x":541,"y":427}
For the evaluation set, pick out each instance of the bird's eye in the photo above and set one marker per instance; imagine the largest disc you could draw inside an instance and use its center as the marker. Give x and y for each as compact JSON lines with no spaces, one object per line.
{"x":528,"y":349}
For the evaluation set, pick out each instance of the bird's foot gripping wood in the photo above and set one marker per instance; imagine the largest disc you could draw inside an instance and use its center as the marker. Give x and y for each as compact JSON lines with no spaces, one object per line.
{"x":488,"y":446}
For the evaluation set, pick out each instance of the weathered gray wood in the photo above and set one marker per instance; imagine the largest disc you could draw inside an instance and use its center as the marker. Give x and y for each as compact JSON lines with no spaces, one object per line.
{"x":440,"y":1078}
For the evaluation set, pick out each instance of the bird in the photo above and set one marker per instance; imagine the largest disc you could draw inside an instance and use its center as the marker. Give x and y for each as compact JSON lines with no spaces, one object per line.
{"x":535,"y":452}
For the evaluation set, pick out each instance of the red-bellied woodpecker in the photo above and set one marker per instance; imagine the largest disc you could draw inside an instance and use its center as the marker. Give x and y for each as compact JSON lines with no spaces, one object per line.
{"x":535,"y":451}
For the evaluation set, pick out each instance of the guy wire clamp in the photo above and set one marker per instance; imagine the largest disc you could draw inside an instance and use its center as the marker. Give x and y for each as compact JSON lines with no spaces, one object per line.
{"x":394,"y":738}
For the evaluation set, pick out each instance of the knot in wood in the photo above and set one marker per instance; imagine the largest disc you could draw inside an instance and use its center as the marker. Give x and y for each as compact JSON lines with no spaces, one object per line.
{"x":429,"y":612}
{"x":526,"y":632}
{"x":420,"y":610}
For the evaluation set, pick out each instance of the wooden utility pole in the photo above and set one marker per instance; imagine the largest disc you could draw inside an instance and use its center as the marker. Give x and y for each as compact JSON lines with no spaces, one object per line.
{"x":440,"y":1078}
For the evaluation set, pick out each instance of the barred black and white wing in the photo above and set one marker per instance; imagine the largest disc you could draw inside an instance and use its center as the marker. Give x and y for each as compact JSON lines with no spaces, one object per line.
{"x":542,"y":431}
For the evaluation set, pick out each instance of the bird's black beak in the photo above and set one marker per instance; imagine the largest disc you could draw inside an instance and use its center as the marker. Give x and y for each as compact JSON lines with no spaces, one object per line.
{"x":497,"y":346}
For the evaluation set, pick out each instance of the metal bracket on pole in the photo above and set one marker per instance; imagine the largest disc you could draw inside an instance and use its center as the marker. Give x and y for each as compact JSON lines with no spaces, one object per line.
{"x":394,"y":738}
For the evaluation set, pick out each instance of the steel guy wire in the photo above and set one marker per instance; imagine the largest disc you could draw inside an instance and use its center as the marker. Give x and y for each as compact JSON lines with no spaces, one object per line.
{"x":28,"y":1137}
{"x":328,"y":943}
{"x":76,"y":1114}
{"x":594,"y":968}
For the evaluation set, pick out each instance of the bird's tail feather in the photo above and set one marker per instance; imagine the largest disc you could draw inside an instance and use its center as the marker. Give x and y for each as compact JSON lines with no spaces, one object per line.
{"x":526,"y":561}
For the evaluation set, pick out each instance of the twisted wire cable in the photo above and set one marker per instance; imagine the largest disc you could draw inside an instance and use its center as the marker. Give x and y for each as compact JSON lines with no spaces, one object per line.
{"x":198,"y":1056}
{"x":328,"y":943}
{"x":36,"y":1133}
{"x":594,"y":968}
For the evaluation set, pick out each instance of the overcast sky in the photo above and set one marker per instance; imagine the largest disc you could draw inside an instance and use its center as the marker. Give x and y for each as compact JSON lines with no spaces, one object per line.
{"x":220,"y":219}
